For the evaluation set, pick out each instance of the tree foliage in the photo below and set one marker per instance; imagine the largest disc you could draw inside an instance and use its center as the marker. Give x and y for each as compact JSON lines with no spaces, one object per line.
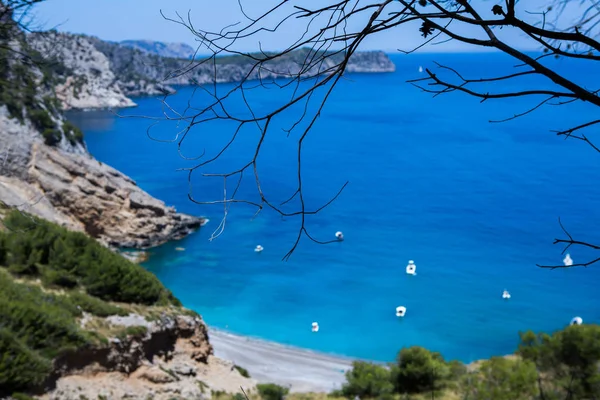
{"x":37,"y":325}
{"x":332,"y":32}
{"x":367,"y":380}
{"x":35,"y":247}
{"x":501,"y":378}
{"x":569,"y":360}
{"x":420,"y":370}
{"x":563,"y":365}
{"x":271,"y":391}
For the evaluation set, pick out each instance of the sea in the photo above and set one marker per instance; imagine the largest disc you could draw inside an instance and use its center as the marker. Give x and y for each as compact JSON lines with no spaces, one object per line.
{"x":476,"y":204}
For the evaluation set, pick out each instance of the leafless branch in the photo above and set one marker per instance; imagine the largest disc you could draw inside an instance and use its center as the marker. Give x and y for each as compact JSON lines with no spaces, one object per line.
{"x":317,"y":60}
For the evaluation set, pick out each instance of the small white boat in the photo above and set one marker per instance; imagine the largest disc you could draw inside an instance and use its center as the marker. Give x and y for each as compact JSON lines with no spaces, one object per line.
{"x":258,"y":249}
{"x":506,"y":295}
{"x":400,"y":311}
{"x":568,"y":261}
{"x":420,"y":69}
{"x":179,"y":248}
{"x":339,"y":235}
{"x":315,"y":327}
{"x":411,"y":268}
{"x":576,"y":321}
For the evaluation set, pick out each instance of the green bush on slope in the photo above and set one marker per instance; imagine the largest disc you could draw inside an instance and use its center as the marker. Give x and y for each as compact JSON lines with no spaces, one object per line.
{"x":500,"y":378}
{"x":367,"y":381}
{"x":563,"y":365}
{"x":32,"y":245}
{"x":36,"y":325}
{"x":271,"y":391}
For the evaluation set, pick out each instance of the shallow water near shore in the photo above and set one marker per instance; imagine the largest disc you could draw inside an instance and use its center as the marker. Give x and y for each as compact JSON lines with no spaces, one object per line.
{"x":475,"y":204}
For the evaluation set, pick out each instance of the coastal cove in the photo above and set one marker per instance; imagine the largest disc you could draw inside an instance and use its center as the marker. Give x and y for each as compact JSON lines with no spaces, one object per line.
{"x":474,"y":204}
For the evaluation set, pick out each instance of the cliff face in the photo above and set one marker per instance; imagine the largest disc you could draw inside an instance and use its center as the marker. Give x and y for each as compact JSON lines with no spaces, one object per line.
{"x":173,"y":50}
{"x":75,"y":190}
{"x":173,"y":358}
{"x":137,"y":68}
{"x":45,"y":168}
{"x":86,"y":79}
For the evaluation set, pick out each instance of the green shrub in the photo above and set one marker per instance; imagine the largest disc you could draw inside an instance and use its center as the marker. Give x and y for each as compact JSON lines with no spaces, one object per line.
{"x":59,"y":278}
{"x":568,"y":360}
{"x":420,"y":370}
{"x":24,"y":269}
{"x":367,"y":381}
{"x":52,"y":136}
{"x":95,"y":306}
{"x":21,"y":396}
{"x":20,"y":367}
{"x":72,"y":133}
{"x":41,"y":119}
{"x":502,"y":379}
{"x":104,"y":274}
{"x":135,"y":331}
{"x":271,"y":391}
{"x":243,"y":371}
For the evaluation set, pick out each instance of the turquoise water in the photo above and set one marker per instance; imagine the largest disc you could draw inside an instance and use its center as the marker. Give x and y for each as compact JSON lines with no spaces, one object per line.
{"x":475,"y":204}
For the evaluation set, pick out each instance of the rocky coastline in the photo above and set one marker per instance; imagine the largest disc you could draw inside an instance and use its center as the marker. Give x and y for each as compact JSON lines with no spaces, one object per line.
{"x":99,"y":74}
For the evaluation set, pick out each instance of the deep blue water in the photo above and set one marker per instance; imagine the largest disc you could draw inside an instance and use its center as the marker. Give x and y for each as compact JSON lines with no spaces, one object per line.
{"x":475,"y":204}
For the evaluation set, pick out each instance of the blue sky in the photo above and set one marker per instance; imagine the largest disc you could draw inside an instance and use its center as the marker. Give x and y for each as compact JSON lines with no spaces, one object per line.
{"x":140,"y":19}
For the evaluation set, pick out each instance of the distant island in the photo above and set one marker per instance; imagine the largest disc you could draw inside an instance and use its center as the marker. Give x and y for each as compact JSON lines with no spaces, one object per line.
{"x":93,"y":73}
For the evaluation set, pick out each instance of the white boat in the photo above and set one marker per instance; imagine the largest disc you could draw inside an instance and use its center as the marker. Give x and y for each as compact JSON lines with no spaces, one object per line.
{"x":400,"y":311}
{"x":315,"y":327}
{"x":576,"y":321}
{"x":339,"y":235}
{"x":258,"y":249}
{"x":411,"y":268}
{"x":506,"y":295}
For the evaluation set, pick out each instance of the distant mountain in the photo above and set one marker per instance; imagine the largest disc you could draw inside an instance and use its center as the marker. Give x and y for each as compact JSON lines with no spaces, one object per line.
{"x":172,"y":50}
{"x":95,"y":73}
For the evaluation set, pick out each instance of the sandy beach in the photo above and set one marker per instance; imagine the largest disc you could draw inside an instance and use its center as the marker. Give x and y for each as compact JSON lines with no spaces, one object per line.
{"x":267,"y":362}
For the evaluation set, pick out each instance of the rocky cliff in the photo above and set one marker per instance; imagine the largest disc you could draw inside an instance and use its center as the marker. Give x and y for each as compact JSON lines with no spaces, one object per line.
{"x":85,"y":79}
{"x":140,"y":72}
{"x":73,"y":189}
{"x":167,"y":358}
{"x":45,"y":168}
{"x":172,"y":50}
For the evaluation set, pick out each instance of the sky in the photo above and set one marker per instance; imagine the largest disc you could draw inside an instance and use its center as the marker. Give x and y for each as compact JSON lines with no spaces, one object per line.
{"x":118,"y":20}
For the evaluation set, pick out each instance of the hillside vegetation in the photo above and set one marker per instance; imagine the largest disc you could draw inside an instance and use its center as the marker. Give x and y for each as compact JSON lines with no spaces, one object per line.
{"x":563,"y":365}
{"x":48,"y":277}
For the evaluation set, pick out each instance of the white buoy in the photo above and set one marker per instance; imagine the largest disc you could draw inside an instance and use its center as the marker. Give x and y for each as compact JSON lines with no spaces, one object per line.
{"x":576,"y":321}
{"x":400,"y":311}
{"x":420,"y":69}
{"x":315,"y":327}
{"x":258,"y":249}
{"x":506,"y":295}
{"x":339,"y":235}
{"x":411,"y":268}
{"x":568,"y":260}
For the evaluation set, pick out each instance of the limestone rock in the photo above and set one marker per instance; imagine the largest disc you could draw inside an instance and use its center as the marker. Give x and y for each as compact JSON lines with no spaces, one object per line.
{"x":69,"y":187}
{"x":156,"y":375}
{"x":88,"y":81}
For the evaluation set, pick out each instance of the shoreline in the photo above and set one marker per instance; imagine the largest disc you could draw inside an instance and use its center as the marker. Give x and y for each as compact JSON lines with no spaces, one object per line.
{"x":301,"y":370}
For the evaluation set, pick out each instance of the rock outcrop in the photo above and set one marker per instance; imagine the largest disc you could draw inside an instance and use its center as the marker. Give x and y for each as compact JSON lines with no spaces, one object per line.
{"x":172,"y":50}
{"x":172,"y":359}
{"x":64,"y":184}
{"x":85,"y":80}
{"x":100,"y":74}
